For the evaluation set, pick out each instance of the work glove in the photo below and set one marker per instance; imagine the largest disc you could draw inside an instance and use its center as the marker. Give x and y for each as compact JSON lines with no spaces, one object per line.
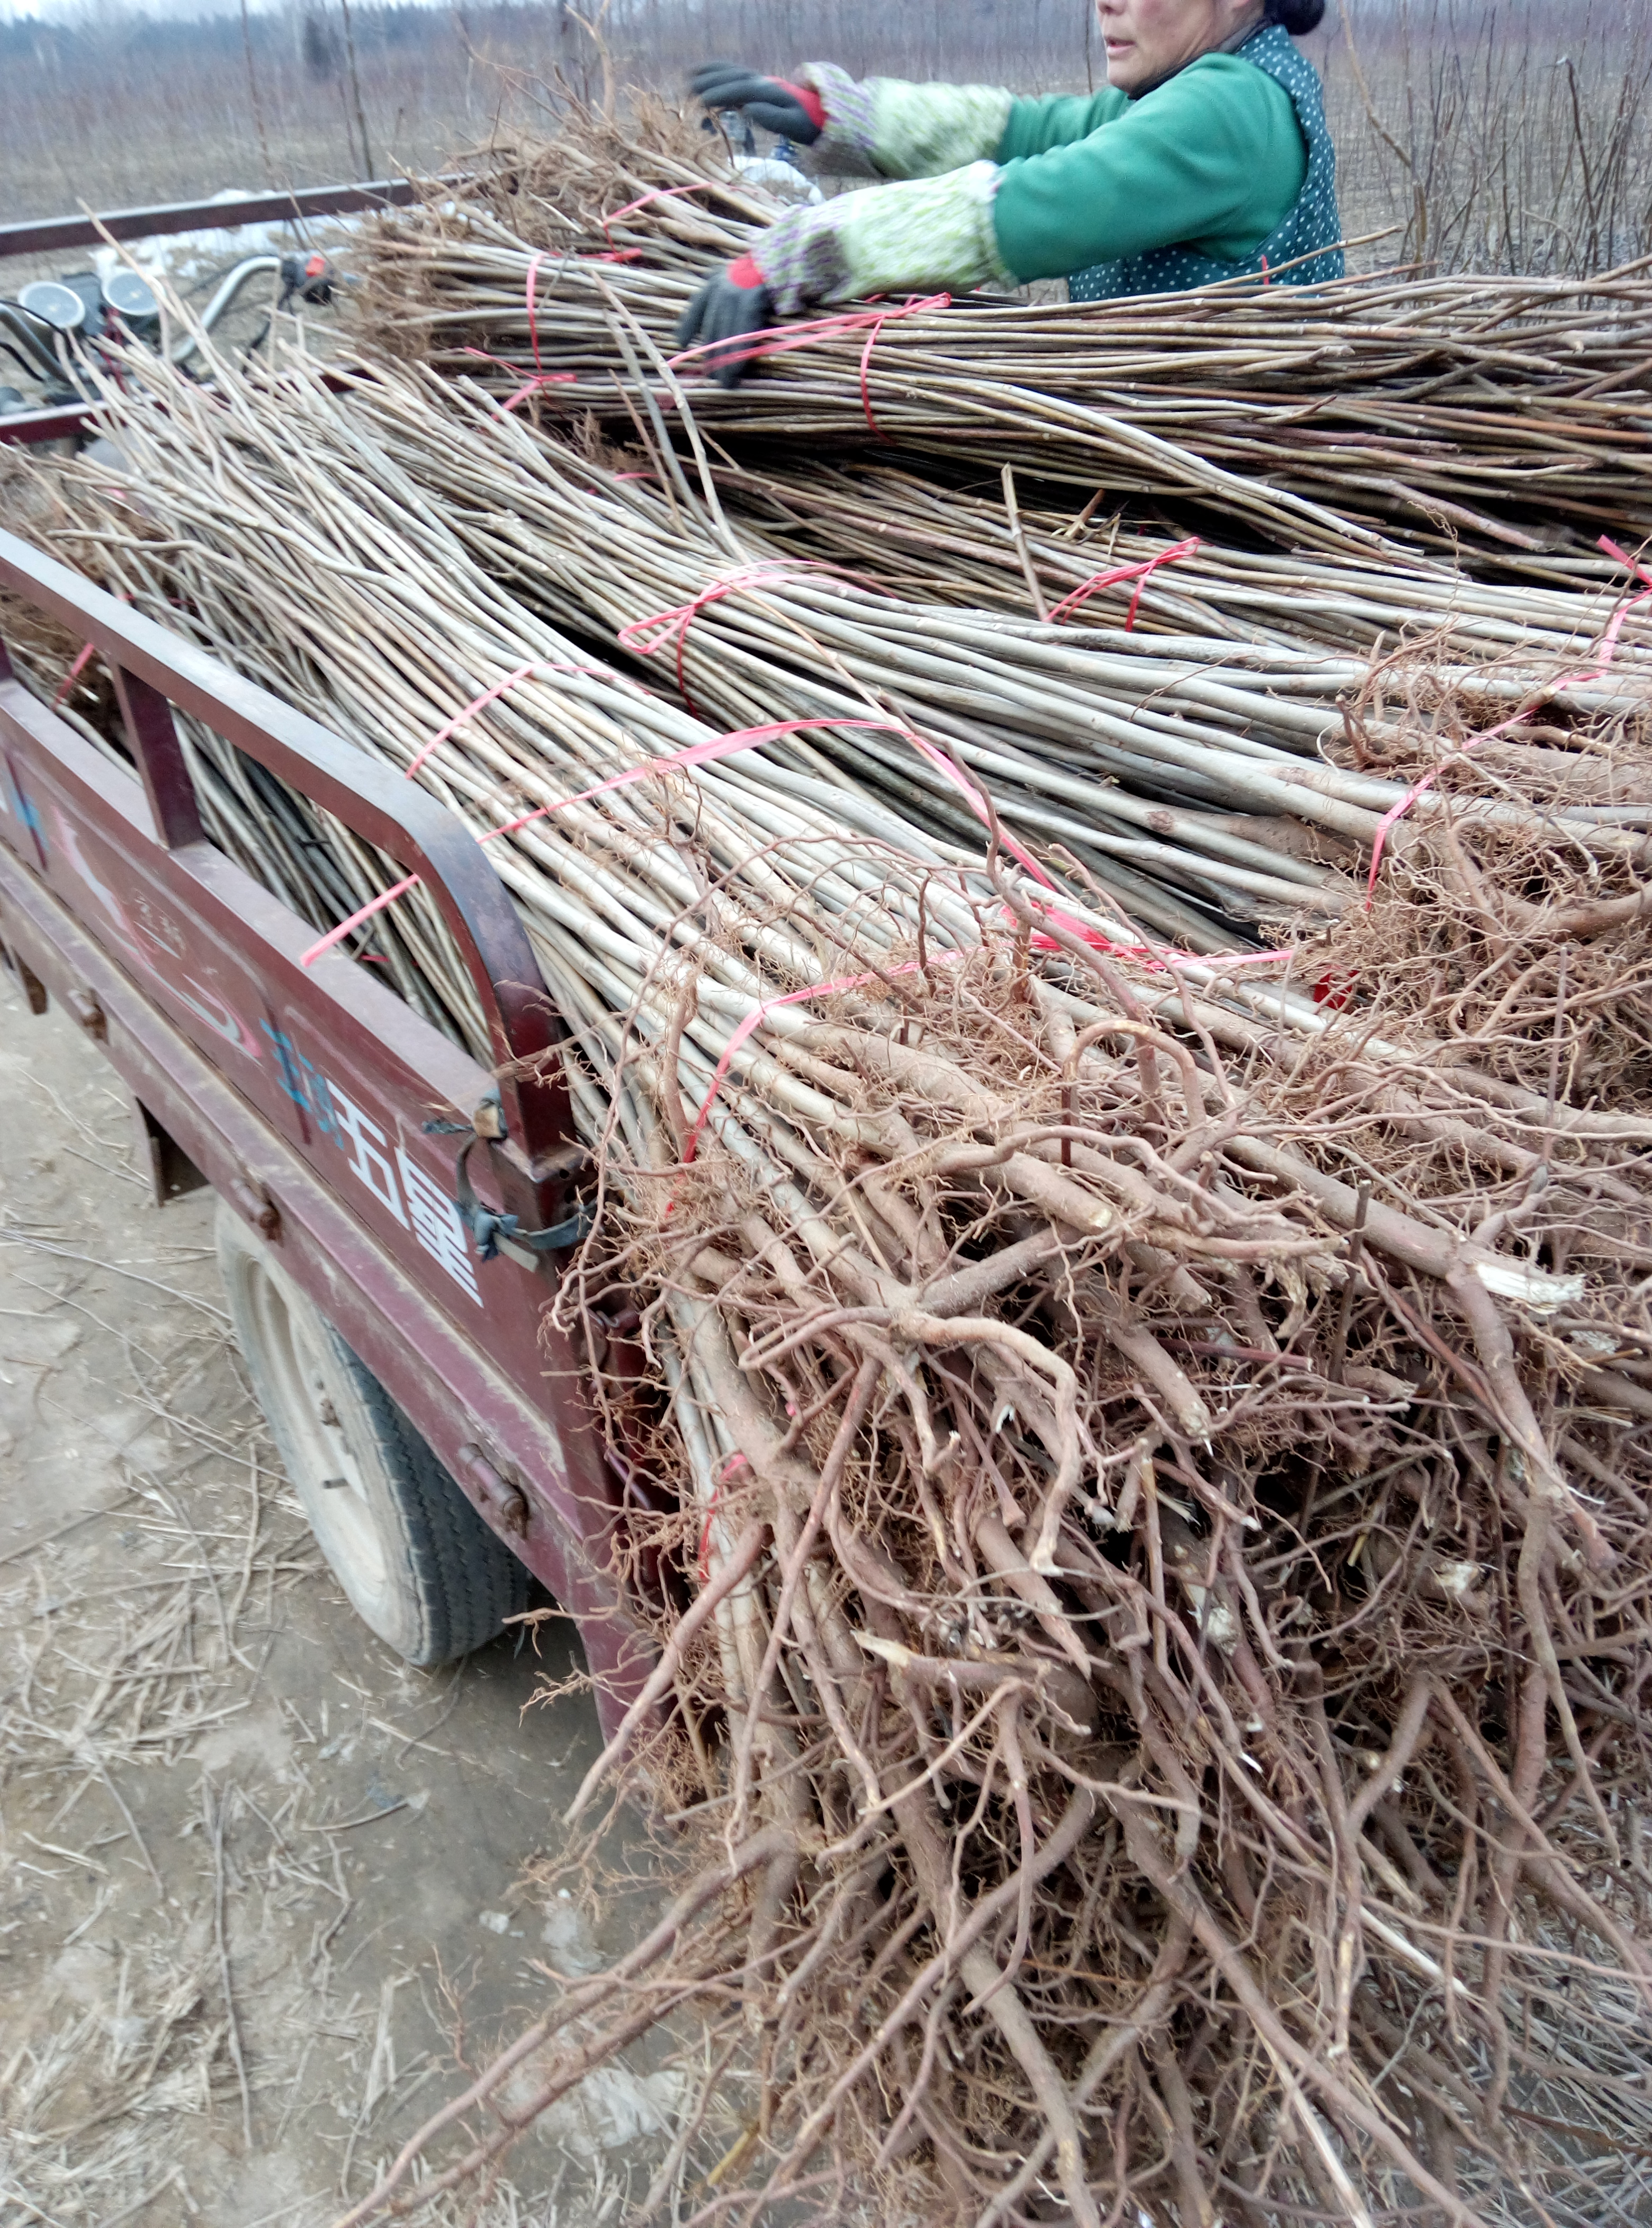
{"x":888,"y":240}
{"x":732,"y":306}
{"x":792,"y":112}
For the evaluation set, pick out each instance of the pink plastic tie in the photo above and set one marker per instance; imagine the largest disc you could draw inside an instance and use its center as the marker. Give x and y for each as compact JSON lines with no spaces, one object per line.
{"x":659,"y":193}
{"x":541,"y":377}
{"x":477,"y":704}
{"x":74,"y":672}
{"x":728,"y":1470}
{"x":528,"y":385}
{"x":758,"y":1014}
{"x":1156,"y":957}
{"x":491,"y":695}
{"x":719,"y":746}
{"x":972,"y":797}
{"x":361,"y":914}
{"x":681,"y":617}
{"x":1140,"y":574}
{"x":1094,"y":938}
{"x":780,"y":340}
{"x":866,"y":367}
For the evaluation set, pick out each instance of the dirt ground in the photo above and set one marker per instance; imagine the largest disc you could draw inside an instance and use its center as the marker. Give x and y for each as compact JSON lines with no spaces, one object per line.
{"x":261,"y":1893}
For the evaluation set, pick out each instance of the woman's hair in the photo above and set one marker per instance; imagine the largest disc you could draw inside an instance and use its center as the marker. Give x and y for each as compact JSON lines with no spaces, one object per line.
{"x":1296,"y":16}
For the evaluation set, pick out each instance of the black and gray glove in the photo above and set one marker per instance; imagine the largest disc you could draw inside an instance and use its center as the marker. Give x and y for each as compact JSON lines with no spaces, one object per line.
{"x":733,"y":305}
{"x":792,"y":112}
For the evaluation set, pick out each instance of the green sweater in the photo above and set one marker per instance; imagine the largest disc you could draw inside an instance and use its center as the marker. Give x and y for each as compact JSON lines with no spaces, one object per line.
{"x":995,"y":188}
{"x":1214,"y":158}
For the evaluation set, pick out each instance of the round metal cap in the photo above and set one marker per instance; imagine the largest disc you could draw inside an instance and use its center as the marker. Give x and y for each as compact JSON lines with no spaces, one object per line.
{"x":129,"y":295}
{"x":60,"y":307}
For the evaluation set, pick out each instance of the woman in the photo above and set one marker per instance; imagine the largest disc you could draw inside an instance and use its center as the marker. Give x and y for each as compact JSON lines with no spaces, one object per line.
{"x":1205,"y":156}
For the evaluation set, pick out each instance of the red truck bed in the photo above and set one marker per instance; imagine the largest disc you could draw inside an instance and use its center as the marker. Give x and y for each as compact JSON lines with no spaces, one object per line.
{"x":303,"y":1093}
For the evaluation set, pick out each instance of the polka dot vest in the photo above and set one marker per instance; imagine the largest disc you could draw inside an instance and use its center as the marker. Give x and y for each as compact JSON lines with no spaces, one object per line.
{"x":1311,"y":223}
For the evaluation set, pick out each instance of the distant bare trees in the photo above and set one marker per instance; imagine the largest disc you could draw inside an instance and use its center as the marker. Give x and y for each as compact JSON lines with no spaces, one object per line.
{"x":1514,"y":137}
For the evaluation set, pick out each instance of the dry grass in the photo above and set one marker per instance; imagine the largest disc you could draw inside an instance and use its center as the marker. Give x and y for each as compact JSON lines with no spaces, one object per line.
{"x":1514,"y":138}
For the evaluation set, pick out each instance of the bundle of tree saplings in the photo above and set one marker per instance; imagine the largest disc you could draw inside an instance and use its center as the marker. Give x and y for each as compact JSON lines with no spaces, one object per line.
{"x":1507,"y":415}
{"x":1181,"y":774}
{"x":937,"y":535}
{"x":1147,"y":1702}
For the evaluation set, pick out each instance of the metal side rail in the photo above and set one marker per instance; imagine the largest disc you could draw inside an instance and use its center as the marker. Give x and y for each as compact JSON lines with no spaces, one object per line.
{"x":48,"y":235}
{"x":44,"y":236}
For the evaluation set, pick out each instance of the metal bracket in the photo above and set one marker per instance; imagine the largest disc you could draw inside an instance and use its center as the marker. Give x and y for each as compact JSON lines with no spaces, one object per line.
{"x":28,"y":982}
{"x":501,"y":1498}
{"x":495,"y":1233}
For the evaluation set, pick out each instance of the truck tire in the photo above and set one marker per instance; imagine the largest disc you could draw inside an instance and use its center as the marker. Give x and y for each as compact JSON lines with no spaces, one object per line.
{"x":419,"y":1564}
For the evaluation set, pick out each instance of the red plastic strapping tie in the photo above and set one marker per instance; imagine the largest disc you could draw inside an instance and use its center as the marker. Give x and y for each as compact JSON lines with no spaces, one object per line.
{"x":540,"y":379}
{"x":1598,"y":672}
{"x":758,"y":1014}
{"x":75,"y":671}
{"x":491,"y":695}
{"x":866,"y":367}
{"x":719,"y":746}
{"x":972,"y":797}
{"x":730,"y":1467}
{"x":528,"y":385}
{"x":705,"y":1533}
{"x":1140,"y":574}
{"x":361,"y":914}
{"x":682,"y":616}
{"x":1159,"y":956}
{"x":780,"y":340}
{"x":477,"y":704}
{"x":659,"y":193}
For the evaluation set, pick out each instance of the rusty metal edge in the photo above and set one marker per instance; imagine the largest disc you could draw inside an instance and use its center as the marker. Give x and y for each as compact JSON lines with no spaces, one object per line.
{"x":22,"y":428}
{"x":443,"y":1380}
{"x":44,"y":236}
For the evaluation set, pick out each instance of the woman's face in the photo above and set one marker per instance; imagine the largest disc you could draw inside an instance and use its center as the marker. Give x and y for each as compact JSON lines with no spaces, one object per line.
{"x":1147,"y":39}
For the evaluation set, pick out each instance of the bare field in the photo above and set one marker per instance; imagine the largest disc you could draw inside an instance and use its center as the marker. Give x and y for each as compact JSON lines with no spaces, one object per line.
{"x":1514,"y":138}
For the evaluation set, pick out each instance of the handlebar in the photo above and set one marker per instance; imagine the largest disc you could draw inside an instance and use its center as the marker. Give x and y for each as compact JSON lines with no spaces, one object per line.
{"x":229,"y":287}
{"x":24,"y":331}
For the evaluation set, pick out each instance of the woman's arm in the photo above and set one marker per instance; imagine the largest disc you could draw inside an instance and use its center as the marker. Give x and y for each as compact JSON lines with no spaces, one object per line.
{"x":1213,"y":158}
{"x":887,"y":127}
{"x":1033,"y":127}
{"x":882,"y":127}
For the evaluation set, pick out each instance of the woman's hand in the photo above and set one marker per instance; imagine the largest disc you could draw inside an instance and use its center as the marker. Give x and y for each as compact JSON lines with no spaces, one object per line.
{"x":732,"y":306}
{"x":792,"y":112}
{"x":897,"y":239}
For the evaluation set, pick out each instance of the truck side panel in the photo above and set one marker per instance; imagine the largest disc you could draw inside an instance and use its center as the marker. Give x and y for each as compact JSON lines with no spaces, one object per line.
{"x":303,"y":1093}
{"x":445,"y":1382}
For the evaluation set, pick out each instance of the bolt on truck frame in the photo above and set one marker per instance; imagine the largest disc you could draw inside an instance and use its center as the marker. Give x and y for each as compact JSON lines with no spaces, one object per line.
{"x":429,"y":1417}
